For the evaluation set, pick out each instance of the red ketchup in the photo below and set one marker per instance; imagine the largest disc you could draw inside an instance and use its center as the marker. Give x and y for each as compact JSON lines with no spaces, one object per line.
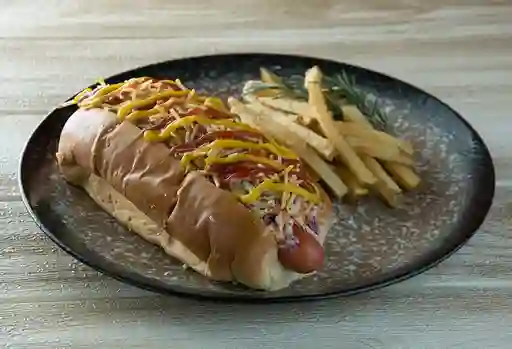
{"x":241,"y":170}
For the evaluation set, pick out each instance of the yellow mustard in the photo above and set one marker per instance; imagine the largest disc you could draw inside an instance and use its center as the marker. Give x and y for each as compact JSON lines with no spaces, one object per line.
{"x":127,"y":108}
{"x":81,"y":94}
{"x":155,"y":136}
{"x":231,"y":143}
{"x":100,"y":96}
{"x":271,"y":185}
{"x":216,"y":103}
{"x":188,"y":157}
{"x":139,"y":114}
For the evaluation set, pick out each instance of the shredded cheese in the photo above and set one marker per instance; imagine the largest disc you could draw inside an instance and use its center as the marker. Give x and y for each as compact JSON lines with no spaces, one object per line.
{"x":230,"y":143}
{"x":174,"y":106}
{"x":242,"y":157}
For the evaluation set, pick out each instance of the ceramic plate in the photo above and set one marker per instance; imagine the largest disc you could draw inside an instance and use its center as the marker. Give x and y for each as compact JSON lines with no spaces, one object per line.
{"x":369,"y":246}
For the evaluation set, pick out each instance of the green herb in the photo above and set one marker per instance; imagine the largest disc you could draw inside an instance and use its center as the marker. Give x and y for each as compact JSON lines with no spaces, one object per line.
{"x":339,"y":90}
{"x":342,"y":87}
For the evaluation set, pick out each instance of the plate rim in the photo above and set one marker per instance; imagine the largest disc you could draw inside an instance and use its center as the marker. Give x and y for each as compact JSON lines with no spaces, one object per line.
{"x":126,"y":278}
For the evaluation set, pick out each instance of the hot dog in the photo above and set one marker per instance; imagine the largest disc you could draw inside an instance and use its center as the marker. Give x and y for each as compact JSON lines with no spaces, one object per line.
{"x":185,"y":174}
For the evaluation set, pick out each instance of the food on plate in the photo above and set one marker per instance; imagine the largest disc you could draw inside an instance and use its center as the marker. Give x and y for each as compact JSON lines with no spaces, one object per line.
{"x":386,"y":186}
{"x":359,"y":125}
{"x":404,"y":175}
{"x":270,"y":126}
{"x":234,"y":192}
{"x":316,"y":141}
{"x":374,"y":143}
{"x":355,"y":189}
{"x":179,"y":169}
{"x":323,"y":114}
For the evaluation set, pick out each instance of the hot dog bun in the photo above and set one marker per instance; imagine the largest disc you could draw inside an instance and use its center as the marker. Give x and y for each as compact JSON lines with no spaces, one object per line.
{"x":145,"y":188}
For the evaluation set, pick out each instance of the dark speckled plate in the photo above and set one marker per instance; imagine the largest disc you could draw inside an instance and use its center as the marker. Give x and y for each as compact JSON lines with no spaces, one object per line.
{"x":368,"y":247}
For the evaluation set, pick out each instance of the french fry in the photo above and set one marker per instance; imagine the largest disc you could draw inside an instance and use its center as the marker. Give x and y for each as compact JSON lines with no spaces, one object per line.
{"x":355,"y":190}
{"x":270,"y":97}
{"x":385,"y":185}
{"x":312,"y":174}
{"x":328,"y":126}
{"x":352,"y":113}
{"x":357,"y":129}
{"x":315,"y":127}
{"x":257,"y":88}
{"x":256,"y":103}
{"x":405,"y":176}
{"x":270,"y":78}
{"x":299,"y":108}
{"x":375,"y":150}
{"x":281,"y":133}
{"x":317,"y":142}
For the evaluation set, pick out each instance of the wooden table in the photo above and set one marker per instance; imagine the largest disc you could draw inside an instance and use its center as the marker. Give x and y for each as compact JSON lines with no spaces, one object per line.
{"x":461,"y":53}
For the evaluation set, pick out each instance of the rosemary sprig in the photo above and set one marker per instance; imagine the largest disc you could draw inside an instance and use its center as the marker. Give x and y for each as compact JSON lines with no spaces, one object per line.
{"x":339,"y":90}
{"x":341,"y":86}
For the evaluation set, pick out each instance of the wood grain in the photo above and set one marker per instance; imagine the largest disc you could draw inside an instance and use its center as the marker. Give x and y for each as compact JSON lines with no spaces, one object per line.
{"x":459,"y":52}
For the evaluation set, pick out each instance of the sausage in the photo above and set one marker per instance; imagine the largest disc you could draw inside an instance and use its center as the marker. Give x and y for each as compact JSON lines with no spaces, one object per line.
{"x":306,"y":256}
